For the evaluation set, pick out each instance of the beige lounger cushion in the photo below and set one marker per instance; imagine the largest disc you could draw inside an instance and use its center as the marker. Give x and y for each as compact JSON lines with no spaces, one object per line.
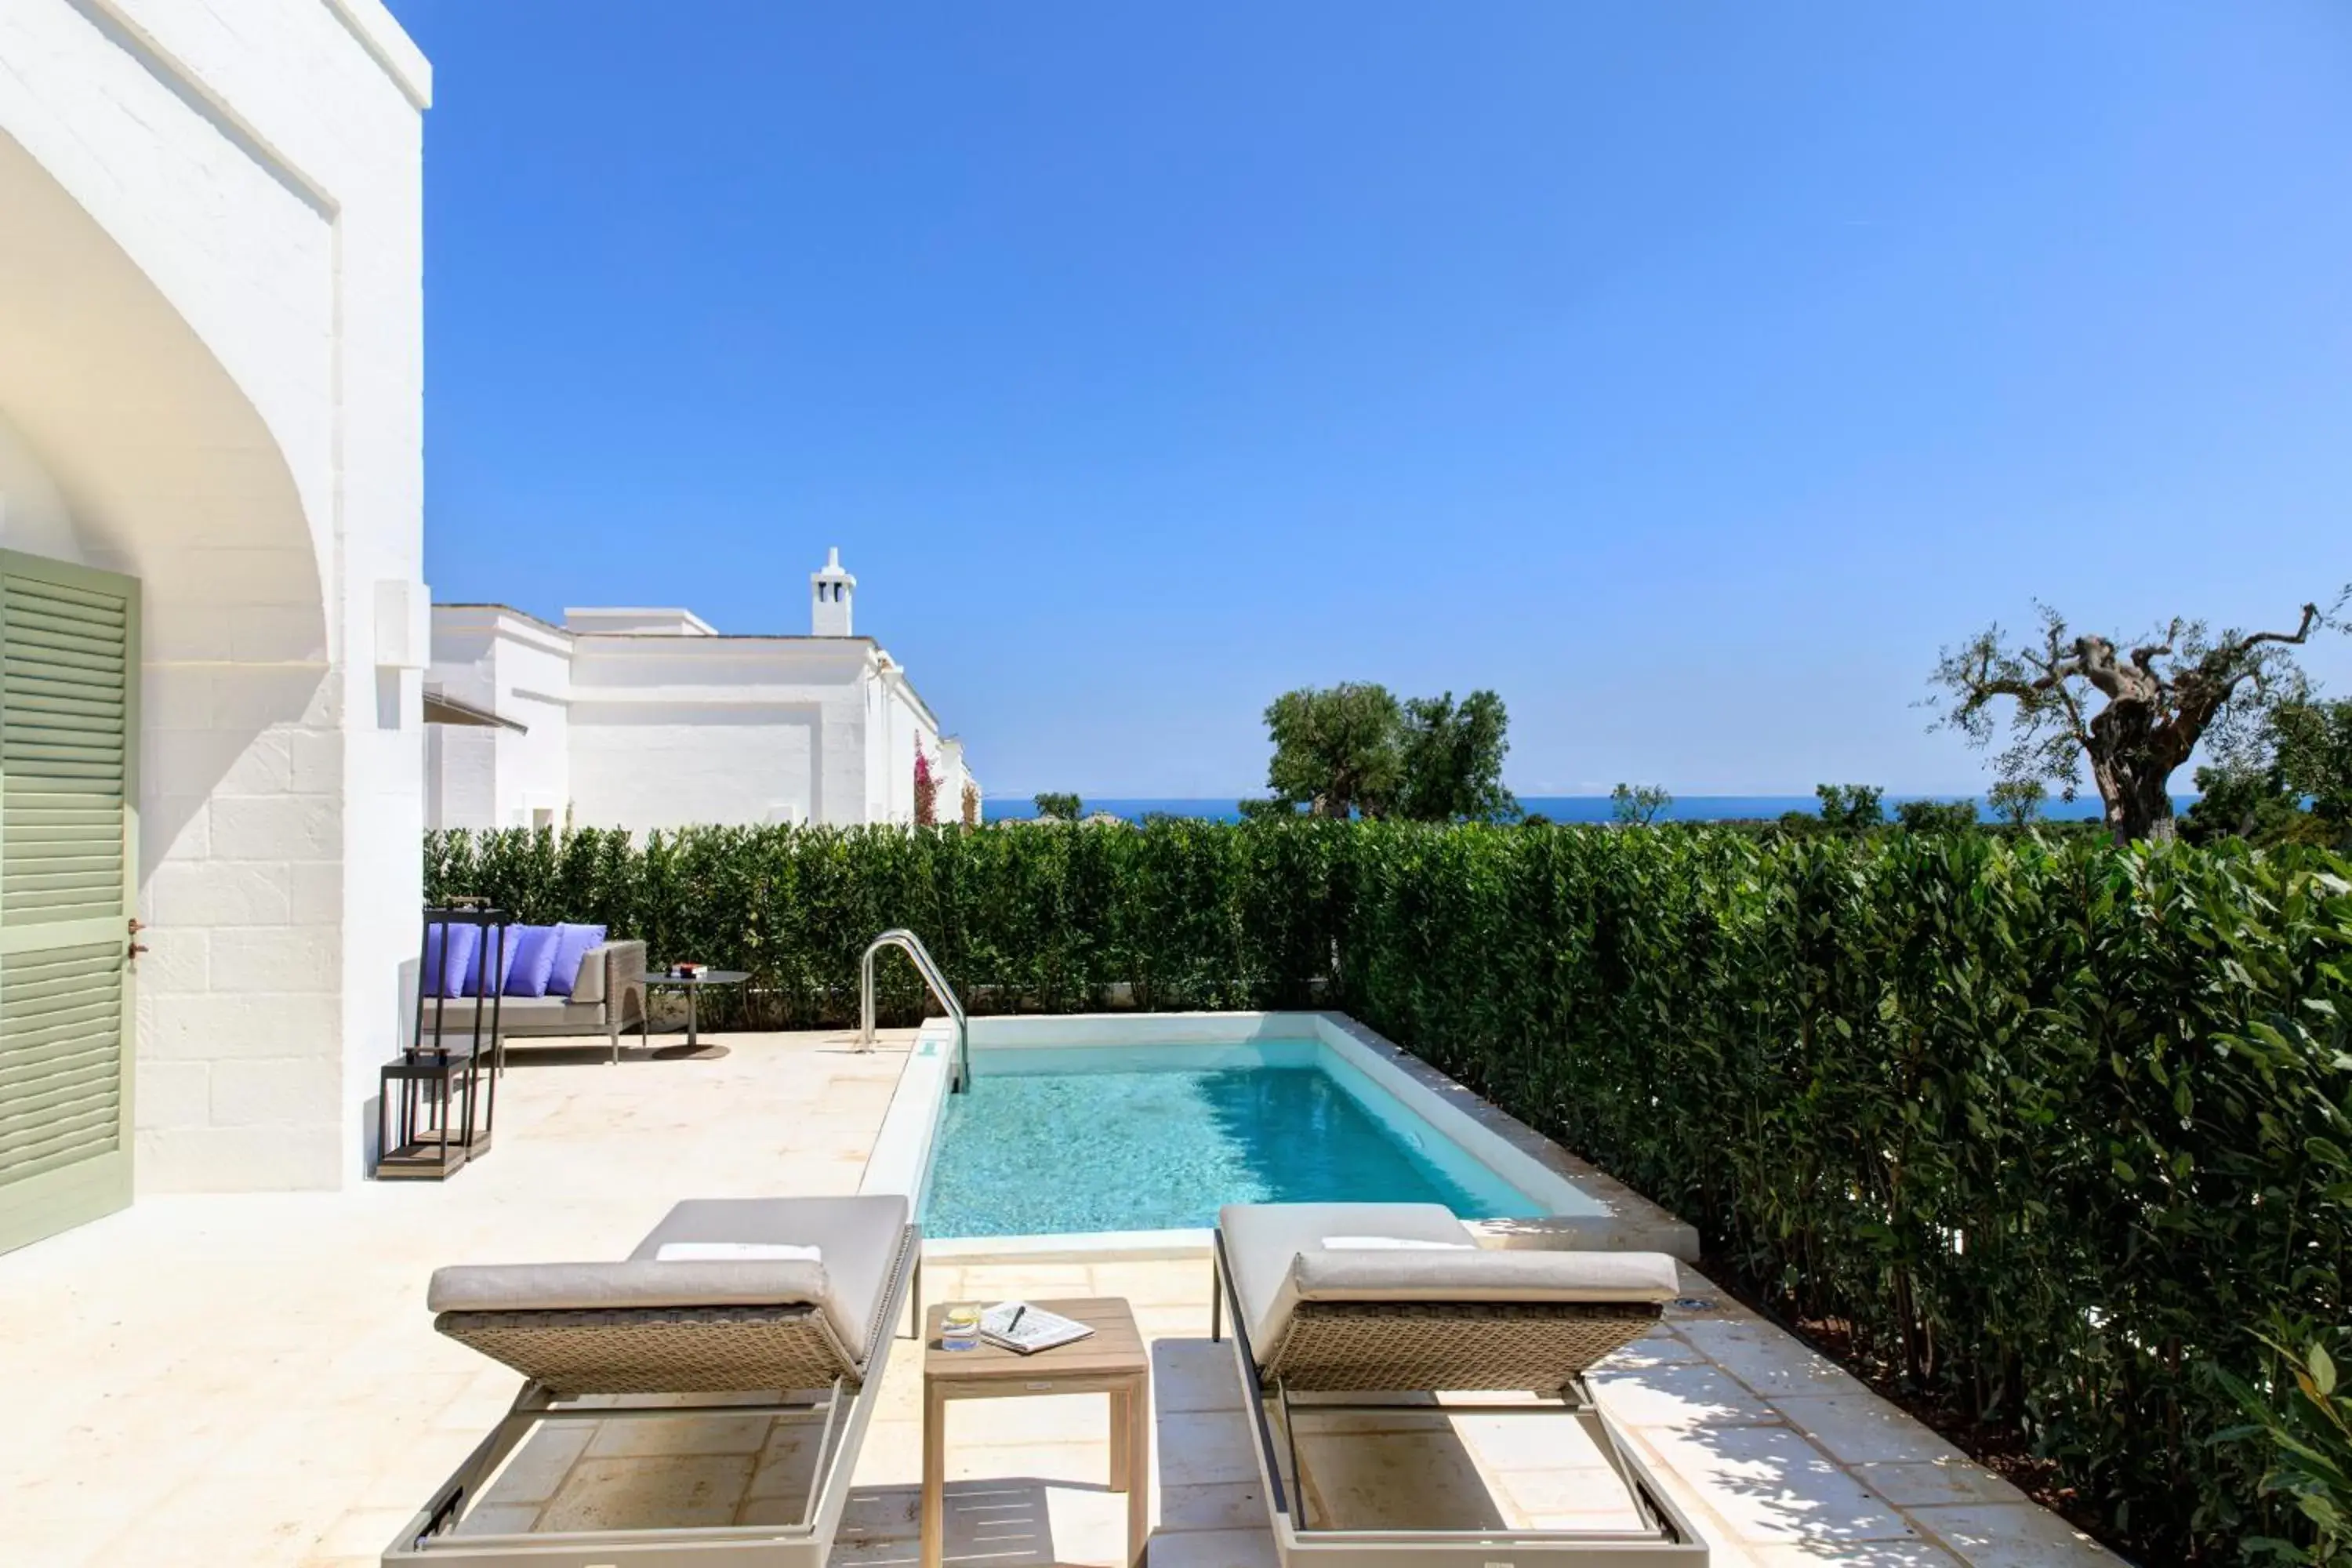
{"x":1261,"y":1240}
{"x":1278,"y":1263}
{"x":858,"y":1237}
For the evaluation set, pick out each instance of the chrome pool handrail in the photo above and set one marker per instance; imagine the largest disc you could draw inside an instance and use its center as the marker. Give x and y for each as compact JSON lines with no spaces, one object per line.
{"x":910,"y":944}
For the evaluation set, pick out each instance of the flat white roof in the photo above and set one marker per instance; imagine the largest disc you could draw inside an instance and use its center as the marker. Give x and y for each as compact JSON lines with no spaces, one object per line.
{"x":662,"y":620}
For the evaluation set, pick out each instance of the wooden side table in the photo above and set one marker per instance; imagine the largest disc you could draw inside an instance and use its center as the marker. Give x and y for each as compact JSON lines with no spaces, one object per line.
{"x":1113,"y":1360}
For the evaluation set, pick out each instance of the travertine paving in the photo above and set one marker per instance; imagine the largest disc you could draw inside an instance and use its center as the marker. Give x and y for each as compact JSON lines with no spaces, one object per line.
{"x":254,"y":1380}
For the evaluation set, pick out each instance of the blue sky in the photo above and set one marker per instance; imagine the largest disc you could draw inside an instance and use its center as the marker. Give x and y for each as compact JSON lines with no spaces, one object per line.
{"x":1687,"y":375}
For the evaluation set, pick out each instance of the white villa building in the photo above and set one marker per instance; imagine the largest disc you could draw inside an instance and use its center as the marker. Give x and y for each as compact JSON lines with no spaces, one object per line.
{"x":214,"y":634}
{"x":212,"y":623}
{"x":650,"y":719}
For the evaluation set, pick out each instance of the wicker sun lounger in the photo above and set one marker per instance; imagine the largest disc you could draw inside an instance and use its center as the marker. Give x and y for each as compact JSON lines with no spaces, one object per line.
{"x":1343,"y":1309}
{"x":796,"y":1299}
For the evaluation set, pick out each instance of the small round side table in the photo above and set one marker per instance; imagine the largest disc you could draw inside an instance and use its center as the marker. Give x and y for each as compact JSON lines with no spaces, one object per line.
{"x":690,"y":985}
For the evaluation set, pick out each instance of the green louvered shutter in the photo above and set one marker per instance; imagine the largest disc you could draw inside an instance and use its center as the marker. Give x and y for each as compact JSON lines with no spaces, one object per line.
{"x":68,"y":818}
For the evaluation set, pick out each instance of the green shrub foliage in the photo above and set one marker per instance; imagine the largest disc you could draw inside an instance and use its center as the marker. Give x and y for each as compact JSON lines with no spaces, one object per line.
{"x":2043,"y":1126}
{"x":1034,"y":916}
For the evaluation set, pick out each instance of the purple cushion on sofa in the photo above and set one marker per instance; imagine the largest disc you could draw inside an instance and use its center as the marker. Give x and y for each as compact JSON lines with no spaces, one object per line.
{"x":478,"y":982}
{"x":449,"y":959}
{"x":535,"y":960}
{"x":571,"y":942}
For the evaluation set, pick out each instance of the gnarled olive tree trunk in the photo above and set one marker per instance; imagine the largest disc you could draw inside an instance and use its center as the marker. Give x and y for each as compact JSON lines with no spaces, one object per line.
{"x":2160,"y":700}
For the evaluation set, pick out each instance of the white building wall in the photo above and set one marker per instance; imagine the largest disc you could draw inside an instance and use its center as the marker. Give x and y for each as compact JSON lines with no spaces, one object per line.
{"x":843,"y":768}
{"x":668,"y":724}
{"x":668,"y":731}
{"x":955,"y":774}
{"x":905,"y":724}
{"x":883,"y":804}
{"x":644,"y":768}
{"x":633,"y":622}
{"x":463,"y":765}
{"x":534,"y":764}
{"x":33,"y":516}
{"x":520,"y":669}
{"x":222,"y":367}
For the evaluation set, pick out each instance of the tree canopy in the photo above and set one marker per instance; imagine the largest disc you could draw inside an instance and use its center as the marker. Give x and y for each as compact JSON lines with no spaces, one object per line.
{"x":1335,"y":749}
{"x":1851,"y":808}
{"x":2133,"y":716}
{"x":2016,"y":802}
{"x":1636,"y":805}
{"x":2312,"y":748}
{"x":1451,"y":760}
{"x":1355,"y":750}
{"x":1937,"y":816}
{"x":2289,"y":782}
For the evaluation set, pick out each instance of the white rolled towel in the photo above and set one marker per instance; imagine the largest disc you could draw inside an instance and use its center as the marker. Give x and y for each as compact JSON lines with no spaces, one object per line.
{"x":736,"y":1252}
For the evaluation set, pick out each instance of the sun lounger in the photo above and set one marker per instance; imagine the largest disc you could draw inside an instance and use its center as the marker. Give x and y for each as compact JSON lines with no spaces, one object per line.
{"x":1348,"y":1308}
{"x":794,"y":1299}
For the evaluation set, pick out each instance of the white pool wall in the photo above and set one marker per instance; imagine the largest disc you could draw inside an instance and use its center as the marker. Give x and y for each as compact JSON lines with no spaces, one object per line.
{"x":1584,"y":1207}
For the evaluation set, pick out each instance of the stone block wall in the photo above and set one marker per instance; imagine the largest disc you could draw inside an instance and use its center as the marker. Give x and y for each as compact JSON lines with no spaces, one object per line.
{"x":212,"y":340}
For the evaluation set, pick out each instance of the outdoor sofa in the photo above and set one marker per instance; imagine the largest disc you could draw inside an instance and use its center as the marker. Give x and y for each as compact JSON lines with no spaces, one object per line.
{"x":797,"y":1299}
{"x":608,"y":995}
{"x":1347,"y":1308}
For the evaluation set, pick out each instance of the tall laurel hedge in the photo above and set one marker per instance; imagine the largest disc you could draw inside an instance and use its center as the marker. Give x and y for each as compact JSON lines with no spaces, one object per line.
{"x":2048,"y":1128}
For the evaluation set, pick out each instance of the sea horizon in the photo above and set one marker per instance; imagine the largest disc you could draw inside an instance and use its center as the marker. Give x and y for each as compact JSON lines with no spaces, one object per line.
{"x":1558,"y":808}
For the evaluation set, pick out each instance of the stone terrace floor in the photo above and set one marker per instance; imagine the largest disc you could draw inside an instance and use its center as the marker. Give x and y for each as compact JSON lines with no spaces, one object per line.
{"x":253,"y":1379}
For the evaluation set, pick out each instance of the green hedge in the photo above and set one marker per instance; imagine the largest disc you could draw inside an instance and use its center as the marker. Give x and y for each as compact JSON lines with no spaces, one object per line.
{"x":1188,"y":914}
{"x":2047,"y":1128}
{"x":2044,"y":1129}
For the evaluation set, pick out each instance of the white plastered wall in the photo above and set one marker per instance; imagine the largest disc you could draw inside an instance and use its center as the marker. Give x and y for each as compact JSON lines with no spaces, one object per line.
{"x":521,"y":668}
{"x":669,"y":731}
{"x":900,"y":723}
{"x":211,"y":342}
{"x":955,"y":773}
{"x":669,"y":725}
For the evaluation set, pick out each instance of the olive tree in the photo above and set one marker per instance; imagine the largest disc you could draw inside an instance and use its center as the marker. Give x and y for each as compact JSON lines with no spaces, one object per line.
{"x":1851,"y":808}
{"x":1636,"y":805}
{"x":1451,"y":760}
{"x":1336,"y":750}
{"x":2134,"y":715}
{"x":2290,"y":784}
{"x":2018,"y":802}
{"x":2313,"y":745}
{"x":1353,"y":749}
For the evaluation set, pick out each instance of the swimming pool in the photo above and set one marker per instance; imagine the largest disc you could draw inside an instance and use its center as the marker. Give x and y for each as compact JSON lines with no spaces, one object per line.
{"x":1155,"y":1136}
{"x":1120,"y":1134}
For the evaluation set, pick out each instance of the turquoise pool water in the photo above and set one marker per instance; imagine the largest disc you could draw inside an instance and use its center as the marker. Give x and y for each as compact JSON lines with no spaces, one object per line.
{"x":1051,"y":1142}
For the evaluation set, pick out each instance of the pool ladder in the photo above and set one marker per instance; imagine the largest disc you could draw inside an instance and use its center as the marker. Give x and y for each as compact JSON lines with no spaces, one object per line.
{"x":906,"y":942}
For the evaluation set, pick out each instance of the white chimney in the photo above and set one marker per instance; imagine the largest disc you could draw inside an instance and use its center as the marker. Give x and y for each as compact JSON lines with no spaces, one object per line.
{"x":830,"y":593}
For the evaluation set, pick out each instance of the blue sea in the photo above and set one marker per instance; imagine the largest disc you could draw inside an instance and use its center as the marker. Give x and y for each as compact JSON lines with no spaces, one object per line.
{"x":1560,"y":807}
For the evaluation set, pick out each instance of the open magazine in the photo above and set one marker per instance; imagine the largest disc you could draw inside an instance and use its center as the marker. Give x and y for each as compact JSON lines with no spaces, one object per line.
{"x":1017,"y":1326}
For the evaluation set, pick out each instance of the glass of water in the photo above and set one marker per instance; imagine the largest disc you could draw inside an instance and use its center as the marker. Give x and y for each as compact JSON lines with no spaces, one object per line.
{"x":959,"y":1329}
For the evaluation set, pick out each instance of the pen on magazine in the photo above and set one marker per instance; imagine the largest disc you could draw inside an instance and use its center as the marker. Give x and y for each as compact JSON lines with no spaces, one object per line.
{"x":1014,"y":1322}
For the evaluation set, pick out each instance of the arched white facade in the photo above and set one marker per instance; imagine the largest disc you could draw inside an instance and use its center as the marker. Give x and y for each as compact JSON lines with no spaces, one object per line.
{"x":210,"y":379}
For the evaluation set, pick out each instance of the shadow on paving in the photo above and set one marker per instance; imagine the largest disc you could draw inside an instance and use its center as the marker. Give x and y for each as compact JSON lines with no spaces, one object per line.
{"x":1423,"y":1466}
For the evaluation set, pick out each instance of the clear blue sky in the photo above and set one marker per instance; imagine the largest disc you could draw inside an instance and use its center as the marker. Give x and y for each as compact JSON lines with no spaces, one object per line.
{"x":1686,"y":374}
